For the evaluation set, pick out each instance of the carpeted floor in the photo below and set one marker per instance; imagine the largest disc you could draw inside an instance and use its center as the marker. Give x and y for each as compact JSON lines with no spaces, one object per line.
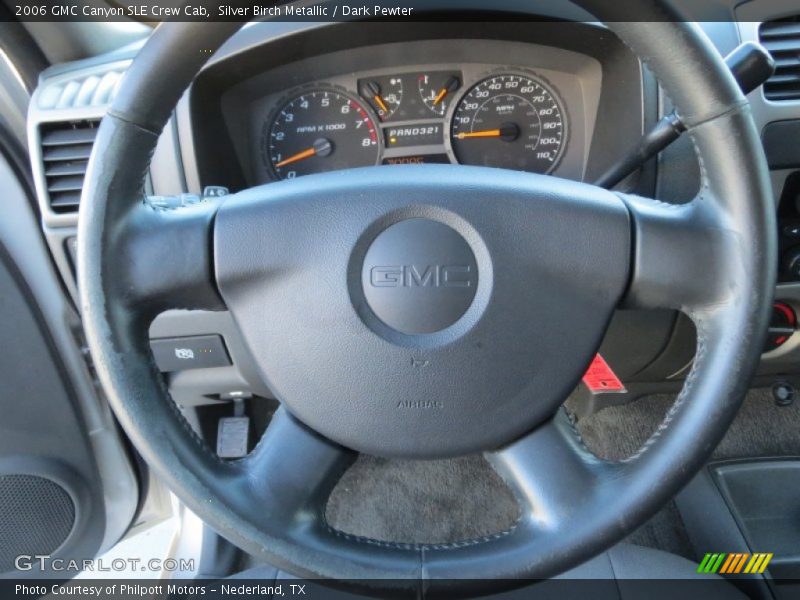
{"x":421,"y":501}
{"x":762,"y":428}
{"x":450,"y":500}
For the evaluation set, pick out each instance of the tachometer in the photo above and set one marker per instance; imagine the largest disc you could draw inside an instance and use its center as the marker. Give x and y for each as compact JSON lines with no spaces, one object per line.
{"x":510,"y":121}
{"x":320,"y":130}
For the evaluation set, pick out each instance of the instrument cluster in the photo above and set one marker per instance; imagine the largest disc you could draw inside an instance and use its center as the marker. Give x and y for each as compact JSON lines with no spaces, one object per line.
{"x":513,"y":119}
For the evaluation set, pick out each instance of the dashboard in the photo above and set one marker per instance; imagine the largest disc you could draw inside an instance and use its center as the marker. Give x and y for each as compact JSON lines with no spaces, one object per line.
{"x":470,"y":94}
{"x":465,"y":113}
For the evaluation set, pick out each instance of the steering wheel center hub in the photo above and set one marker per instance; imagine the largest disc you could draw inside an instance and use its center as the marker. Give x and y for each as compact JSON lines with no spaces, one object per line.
{"x":419,"y":276}
{"x":434,"y":308}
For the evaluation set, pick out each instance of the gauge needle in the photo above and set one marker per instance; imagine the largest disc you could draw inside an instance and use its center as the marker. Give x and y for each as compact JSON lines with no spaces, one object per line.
{"x":373,"y":89}
{"x":321,"y":147}
{"x":295,"y":157}
{"x":479,"y":134}
{"x":379,"y":101}
{"x":507,"y":131}
{"x":440,"y":96}
{"x":450,"y":85}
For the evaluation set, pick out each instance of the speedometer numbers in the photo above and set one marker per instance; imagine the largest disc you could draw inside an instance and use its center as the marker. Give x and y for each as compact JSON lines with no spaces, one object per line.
{"x":509,"y":121}
{"x":320,"y":130}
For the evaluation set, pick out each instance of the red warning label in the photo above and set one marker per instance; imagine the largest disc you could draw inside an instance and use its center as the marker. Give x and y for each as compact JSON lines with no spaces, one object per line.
{"x":601,"y":379}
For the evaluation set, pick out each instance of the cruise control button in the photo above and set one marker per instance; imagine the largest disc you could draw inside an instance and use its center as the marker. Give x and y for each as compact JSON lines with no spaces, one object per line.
{"x":183,"y":353}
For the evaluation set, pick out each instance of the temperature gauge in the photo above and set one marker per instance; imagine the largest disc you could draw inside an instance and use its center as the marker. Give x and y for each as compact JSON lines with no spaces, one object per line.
{"x":436,"y":89}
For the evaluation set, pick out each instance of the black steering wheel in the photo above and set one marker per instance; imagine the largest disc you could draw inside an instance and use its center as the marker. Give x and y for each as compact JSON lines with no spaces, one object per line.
{"x":316,"y":273}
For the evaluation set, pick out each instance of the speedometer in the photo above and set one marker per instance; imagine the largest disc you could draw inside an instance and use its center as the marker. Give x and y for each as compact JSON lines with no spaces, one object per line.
{"x":510,"y":121}
{"x":319,"y":130}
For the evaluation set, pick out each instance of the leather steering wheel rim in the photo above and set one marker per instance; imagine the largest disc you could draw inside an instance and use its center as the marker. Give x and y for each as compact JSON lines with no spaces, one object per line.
{"x":713,"y":258}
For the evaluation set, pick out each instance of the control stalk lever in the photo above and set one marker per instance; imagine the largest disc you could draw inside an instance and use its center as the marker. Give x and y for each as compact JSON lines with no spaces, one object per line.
{"x":751,"y":66}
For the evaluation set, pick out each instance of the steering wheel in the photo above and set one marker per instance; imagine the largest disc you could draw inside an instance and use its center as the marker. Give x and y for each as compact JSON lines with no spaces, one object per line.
{"x":421,"y":312}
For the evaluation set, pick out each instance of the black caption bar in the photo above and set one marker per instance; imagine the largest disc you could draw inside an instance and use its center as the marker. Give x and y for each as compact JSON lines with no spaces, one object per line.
{"x":208,"y":10}
{"x":270,"y":588}
{"x":155,"y":11}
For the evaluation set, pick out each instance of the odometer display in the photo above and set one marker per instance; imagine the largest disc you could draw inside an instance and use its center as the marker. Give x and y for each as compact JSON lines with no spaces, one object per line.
{"x":510,"y":121}
{"x":319,"y":130}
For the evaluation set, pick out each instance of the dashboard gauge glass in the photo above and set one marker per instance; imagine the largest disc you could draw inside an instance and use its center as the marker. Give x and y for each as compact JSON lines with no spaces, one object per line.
{"x":510,"y":121}
{"x":319,"y":130}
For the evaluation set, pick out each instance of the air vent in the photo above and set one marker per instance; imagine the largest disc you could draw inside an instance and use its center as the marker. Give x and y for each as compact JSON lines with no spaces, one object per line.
{"x":782,"y":39}
{"x":65,"y":153}
{"x":93,"y":89}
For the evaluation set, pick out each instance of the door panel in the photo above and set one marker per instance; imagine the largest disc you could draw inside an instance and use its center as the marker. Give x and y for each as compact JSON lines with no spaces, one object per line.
{"x":67,"y":485}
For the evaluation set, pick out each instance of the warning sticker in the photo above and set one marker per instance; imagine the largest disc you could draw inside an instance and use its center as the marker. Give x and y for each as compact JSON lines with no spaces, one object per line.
{"x":600,"y":379}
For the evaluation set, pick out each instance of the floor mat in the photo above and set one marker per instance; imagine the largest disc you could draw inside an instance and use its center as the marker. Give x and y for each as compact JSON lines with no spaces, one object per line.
{"x":762,"y":428}
{"x":421,"y":502}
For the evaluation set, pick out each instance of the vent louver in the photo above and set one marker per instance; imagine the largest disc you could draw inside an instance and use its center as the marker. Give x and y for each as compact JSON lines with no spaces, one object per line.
{"x":65,"y":153}
{"x":94,"y":89}
{"x":781,"y":38}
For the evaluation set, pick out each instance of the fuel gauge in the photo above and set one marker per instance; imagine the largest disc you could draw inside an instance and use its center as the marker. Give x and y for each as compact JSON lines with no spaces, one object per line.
{"x":384,"y":94}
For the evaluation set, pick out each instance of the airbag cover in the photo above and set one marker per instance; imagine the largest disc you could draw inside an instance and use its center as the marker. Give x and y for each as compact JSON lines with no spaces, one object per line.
{"x":493,"y":292}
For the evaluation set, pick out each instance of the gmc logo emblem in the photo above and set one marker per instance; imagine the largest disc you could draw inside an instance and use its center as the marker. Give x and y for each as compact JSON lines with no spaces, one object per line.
{"x":450,"y":276}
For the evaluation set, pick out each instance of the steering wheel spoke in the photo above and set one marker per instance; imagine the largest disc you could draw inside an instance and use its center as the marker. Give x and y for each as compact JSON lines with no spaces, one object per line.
{"x":285,"y":484}
{"x":550,"y":472}
{"x":292,"y":470}
{"x":167,"y":253}
{"x":678,"y":250}
{"x":154,"y":259}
